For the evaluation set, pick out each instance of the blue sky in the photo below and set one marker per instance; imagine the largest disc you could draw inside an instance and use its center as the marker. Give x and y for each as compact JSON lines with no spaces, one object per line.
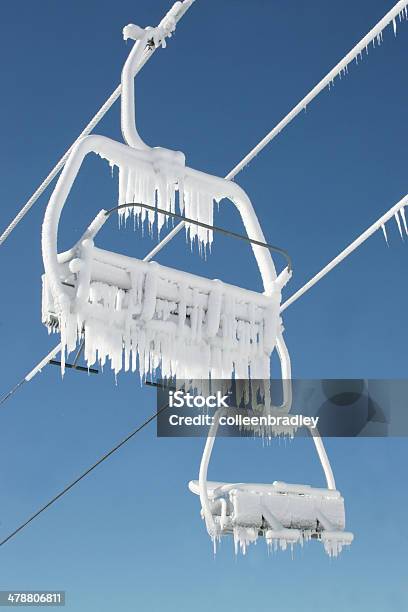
{"x":130,"y":536}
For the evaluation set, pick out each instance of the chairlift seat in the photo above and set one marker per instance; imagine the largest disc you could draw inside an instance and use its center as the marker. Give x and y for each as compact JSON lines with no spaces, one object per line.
{"x":158,"y":316}
{"x":284,"y":514}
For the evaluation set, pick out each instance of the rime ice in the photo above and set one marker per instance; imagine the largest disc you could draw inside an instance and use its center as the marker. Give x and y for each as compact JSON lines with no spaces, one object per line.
{"x":160,"y":184}
{"x":139,"y":314}
{"x":284,"y":514}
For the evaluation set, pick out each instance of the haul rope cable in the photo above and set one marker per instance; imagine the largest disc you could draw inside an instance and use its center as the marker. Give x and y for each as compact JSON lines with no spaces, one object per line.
{"x":83,"y":475}
{"x":48,"y":359}
{"x":150,"y":49}
{"x":392,"y":212}
{"x":45,"y":361}
{"x":399,"y":9}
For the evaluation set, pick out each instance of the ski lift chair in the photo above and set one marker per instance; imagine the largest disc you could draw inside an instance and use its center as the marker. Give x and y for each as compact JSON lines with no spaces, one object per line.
{"x":140,"y":313}
{"x":284,"y":514}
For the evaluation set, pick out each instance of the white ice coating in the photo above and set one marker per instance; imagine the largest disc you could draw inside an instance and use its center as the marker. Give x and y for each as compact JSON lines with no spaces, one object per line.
{"x":165,"y":29}
{"x":396,"y":211}
{"x":248,"y":323}
{"x":284,"y":514}
{"x":399,"y":215}
{"x":161,"y":185}
{"x":157,"y":184}
{"x":141,"y":315}
{"x":399,"y":11}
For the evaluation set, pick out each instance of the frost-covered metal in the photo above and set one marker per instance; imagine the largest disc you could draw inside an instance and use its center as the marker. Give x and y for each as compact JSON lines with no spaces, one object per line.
{"x":140,"y":315}
{"x":284,"y":514}
{"x":148,"y":316}
{"x":281,"y":513}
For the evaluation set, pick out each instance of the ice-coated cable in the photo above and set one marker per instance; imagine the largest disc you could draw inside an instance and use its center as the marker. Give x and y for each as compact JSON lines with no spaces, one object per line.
{"x":32,"y":373}
{"x":396,"y":210}
{"x":399,"y":10}
{"x":149,"y":50}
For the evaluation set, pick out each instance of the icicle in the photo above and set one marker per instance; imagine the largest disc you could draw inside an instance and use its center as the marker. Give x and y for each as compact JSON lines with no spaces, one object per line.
{"x":123,"y":174}
{"x":198,"y":205}
{"x":402,"y":213}
{"x":187,"y":330}
{"x":394,"y":25}
{"x":385,"y":233}
{"x":152,"y":182}
{"x":396,"y":215}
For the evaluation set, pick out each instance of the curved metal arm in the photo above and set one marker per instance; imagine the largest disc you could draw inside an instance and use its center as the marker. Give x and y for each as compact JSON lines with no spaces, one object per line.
{"x":127,"y":108}
{"x":324,"y":459}
{"x":205,"y":459}
{"x":286,"y":371}
{"x":147,"y":37}
{"x":202,"y":477}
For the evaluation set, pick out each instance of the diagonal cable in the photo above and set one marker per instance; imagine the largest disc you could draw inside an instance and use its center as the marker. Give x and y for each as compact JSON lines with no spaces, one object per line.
{"x":399,"y":10}
{"x":82,"y":476}
{"x":85,"y":132}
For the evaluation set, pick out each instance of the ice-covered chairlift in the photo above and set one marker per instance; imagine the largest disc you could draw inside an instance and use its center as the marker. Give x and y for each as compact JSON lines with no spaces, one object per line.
{"x":142,"y":314}
{"x":284,"y":514}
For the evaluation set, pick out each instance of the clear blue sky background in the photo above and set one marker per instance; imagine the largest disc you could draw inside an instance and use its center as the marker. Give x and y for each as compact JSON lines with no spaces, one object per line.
{"x":130,"y":536}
